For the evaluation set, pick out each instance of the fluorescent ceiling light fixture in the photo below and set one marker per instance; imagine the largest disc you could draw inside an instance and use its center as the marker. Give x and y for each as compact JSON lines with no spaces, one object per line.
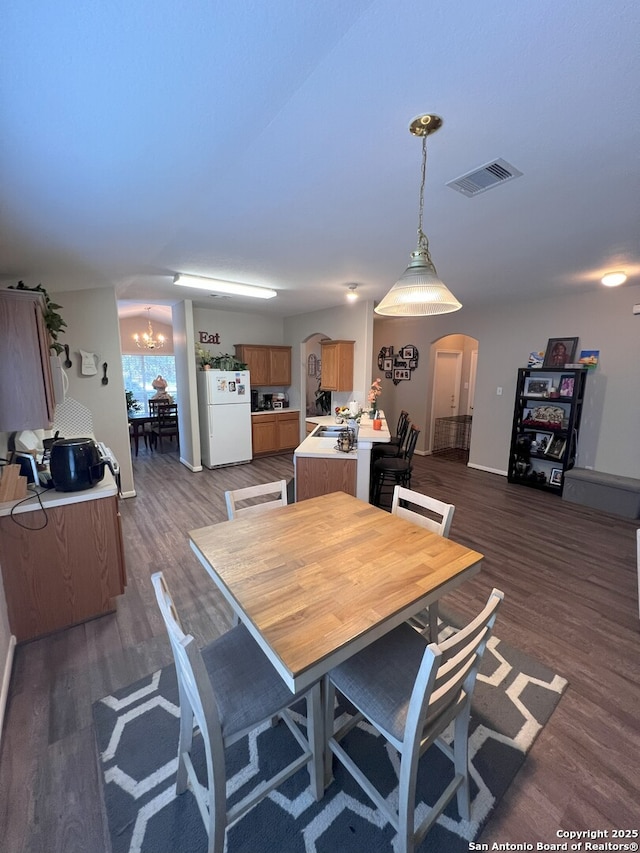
{"x":419,"y":292}
{"x":613,"y":279}
{"x":232,"y":287}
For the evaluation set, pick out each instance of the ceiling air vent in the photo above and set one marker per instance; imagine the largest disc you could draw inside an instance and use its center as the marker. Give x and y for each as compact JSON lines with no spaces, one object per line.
{"x":485,"y":178}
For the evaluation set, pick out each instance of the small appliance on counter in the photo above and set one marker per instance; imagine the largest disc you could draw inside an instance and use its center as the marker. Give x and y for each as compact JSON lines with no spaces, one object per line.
{"x":255,"y":403}
{"x":267,"y":402}
{"x":79,"y":463}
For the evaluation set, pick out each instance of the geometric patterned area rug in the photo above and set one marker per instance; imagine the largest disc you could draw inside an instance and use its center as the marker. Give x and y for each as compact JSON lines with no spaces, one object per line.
{"x":137,"y":736}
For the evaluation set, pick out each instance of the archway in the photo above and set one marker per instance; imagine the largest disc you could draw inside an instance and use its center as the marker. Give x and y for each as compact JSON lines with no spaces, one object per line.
{"x":453,"y":360}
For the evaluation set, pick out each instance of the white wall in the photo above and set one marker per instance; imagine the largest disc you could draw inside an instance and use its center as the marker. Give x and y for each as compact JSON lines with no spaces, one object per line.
{"x":92,"y":325}
{"x":353,"y":322}
{"x":602,"y":319}
{"x":234,"y":328}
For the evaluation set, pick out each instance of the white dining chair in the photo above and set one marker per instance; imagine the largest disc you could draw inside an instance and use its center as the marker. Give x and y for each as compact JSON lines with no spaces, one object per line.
{"x":411,"y":692}
{"x":277,"y":491}
{"x":438,"y":521}
{"x":231,"y":688}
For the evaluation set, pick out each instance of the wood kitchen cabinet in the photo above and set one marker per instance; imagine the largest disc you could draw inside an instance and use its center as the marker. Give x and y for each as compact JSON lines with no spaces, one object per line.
{"x":337,"y":365}
{"x":268,"y":365}
{"x":26,"y":385}
{"x":321,"y":476}
{"x":64,"y":573}
{"x":275,"y":432}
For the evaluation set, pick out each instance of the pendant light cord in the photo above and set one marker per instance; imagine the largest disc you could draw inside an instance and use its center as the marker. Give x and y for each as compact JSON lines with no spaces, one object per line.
{"x":423,"y":242}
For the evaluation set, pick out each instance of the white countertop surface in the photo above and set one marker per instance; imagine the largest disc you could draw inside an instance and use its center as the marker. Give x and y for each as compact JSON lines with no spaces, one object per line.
{"x":51,"y":498}
{"x":324,"y":448}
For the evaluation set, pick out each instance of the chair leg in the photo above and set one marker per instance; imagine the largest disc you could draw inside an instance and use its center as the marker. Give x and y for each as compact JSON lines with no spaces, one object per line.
{"x":328,"y":703}
{"x":316,"y":739}
{"x":461,"y":761}
{"x":433,"y":622}
{"x":407,"y":804}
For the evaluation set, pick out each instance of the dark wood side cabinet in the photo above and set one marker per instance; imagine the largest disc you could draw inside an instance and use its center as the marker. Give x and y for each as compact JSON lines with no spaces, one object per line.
{"x":546,"y":426}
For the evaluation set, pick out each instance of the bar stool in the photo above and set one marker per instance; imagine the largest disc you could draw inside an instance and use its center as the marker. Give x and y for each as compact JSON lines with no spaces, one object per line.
{"x":394,"y":446}
{"x":394,"y":470}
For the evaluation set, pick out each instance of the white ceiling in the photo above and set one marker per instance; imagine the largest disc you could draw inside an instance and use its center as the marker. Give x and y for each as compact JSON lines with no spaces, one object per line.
{"x":267,"y":143}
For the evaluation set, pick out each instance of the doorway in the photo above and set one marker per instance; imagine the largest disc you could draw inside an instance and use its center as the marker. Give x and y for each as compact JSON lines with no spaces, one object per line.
{"x":454,"y":360}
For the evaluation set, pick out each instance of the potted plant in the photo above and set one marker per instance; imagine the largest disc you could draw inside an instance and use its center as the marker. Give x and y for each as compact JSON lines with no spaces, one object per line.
{"x":53,"y":321}
{"x":132,"y":404}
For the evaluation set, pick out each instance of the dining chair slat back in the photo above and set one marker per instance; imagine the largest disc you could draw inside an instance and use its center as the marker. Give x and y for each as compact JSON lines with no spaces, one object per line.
{"x":165,"y":422}
{"x":426,"y":621}
{"x":277,"y":490}
{"x":410,"y":692}
{"x":227,"y":701}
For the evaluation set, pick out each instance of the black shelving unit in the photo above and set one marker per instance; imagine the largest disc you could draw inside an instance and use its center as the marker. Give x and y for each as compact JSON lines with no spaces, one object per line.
{"x":546,"y":426}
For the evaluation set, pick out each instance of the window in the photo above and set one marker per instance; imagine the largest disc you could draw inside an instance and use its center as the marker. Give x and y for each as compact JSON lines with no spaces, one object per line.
{"x":139,"y":371}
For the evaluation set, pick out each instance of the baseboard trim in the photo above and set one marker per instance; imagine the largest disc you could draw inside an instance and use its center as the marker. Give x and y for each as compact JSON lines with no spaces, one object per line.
{"x":488,"y":470}
{"x":194,"y":468}
{"x":6,"y":678}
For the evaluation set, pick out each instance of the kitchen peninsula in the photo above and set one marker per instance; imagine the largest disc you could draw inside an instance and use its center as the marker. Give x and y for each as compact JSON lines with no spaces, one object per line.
{"x":320,"y":468}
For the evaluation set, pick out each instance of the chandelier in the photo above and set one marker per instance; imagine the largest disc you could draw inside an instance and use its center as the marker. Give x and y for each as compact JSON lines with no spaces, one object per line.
{"x":419,"y":292}
{"x":147,"y":340}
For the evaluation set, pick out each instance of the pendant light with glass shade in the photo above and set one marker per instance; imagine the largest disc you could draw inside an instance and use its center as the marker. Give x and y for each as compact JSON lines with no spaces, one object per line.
{"x":419,"y":292}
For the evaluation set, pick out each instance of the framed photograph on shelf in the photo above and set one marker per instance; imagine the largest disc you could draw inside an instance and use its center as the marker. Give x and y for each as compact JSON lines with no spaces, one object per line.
{"x":537,"y":386}
{"x":560,"y":351}
{"x":542,"y":441}
{"x":556,"y":446}
{"x":555,"y":478}
{"x":565,"y":388}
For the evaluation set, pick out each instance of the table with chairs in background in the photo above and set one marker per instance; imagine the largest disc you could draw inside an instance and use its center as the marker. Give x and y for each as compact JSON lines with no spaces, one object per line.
{"x":160,"y":425}
{"x":332,"y":593}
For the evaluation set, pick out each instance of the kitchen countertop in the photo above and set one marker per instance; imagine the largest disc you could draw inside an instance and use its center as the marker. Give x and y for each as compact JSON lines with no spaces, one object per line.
{"x":275,"y":411}
{"x":51,"y":498}
{"x":324,"y":448}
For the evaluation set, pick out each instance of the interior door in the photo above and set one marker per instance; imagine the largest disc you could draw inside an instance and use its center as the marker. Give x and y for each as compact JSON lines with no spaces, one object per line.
{"x":446,"y":386}
{"x":472,"y":381}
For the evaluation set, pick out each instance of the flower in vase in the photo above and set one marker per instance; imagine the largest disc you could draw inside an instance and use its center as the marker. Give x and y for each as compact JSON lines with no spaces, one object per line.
{"x":374,"y":393}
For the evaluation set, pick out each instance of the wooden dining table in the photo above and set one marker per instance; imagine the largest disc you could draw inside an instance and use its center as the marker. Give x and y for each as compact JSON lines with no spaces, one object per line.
{"x":317,"y":581}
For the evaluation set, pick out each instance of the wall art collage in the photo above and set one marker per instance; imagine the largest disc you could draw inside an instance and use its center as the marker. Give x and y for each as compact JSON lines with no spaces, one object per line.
{"x":398,"y":366}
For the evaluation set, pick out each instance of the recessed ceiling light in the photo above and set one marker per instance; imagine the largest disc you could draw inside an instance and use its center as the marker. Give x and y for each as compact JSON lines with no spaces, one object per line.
{"x":351,"y":293}
{"x":613,"y":279}
{"x":232,"y":287}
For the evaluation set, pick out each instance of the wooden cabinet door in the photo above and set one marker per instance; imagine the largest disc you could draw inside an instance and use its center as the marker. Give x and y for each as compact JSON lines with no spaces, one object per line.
{"x":257,"y":359}
{"x":337,"y":365}
{"x":288,"y":430}
{"x":322,"y":476}
{"x":264,"y":434}
{"x":280,"y":366}
{"x":26,"y":386}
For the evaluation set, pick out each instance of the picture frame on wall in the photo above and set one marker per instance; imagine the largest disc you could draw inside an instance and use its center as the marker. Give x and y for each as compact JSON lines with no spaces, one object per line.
{"x":387,"y":364}
{"x":560,"y":351}
{"x":401,"y":373}
{"x":555,"y":478}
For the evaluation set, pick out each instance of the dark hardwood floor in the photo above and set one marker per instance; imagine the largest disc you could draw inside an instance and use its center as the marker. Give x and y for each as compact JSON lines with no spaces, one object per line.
{"x":569,"y":578}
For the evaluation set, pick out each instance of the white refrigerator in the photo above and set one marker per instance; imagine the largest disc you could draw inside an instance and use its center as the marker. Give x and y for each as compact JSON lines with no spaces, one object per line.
{"x":225,"y":417}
